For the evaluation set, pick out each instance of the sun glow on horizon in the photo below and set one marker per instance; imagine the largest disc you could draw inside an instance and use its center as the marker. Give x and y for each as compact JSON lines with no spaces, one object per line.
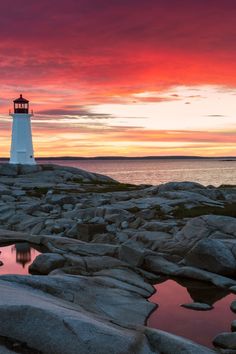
{"x":196,"y":120}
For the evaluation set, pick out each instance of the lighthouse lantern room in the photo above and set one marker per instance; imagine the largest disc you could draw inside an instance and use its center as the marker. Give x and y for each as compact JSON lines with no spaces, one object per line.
{"x":21,"y":139}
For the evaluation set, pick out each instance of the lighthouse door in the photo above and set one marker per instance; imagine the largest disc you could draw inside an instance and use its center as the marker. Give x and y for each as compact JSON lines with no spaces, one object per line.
{"x":21,"y":157}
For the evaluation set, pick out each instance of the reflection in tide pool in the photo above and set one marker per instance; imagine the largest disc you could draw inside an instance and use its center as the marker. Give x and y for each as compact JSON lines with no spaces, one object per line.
{"x":199,"y":326}
{"x":17,"y":258}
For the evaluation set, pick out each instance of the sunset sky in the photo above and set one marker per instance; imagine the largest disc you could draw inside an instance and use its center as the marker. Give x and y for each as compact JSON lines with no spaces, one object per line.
{"x":121,"y":77}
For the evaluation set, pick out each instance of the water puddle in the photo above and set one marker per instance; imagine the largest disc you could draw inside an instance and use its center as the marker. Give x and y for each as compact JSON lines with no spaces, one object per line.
{"x":199,"y":326}
{"x":17,"y":258}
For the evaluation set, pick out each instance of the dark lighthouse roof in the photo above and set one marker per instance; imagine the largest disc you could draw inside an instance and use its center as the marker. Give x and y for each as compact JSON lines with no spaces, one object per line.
{"x":21,"y":100}
{"x":21,"y":105}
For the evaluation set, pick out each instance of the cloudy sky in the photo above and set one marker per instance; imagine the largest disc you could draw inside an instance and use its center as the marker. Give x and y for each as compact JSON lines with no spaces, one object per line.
{"x":121,"y":77}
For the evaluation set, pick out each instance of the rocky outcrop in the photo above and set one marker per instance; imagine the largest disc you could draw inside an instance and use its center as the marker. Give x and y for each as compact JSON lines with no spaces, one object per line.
{"x":104,"y":242}
{"x":212,"y":255}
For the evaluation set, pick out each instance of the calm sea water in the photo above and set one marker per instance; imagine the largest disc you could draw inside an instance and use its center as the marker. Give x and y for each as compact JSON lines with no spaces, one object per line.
{"x":206,"y":172}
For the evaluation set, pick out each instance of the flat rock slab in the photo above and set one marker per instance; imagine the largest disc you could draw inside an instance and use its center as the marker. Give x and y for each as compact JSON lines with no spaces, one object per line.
{"x":103,"y":296}
{"x":55,"y":326}
{"x":167,"y":343}
{"x":203,"y":275}
{"x":128,"y":276}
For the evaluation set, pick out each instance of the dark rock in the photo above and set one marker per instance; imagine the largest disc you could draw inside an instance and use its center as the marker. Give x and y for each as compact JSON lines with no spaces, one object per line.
{"x":7,"y":169}
{"x":46,"y":262}
{"x":86,"y":231}
{"x":233,"y":306}
{"x":233,"y":326}
{"x":225,"y":340}
{"x":60,"y":199}
{"x":27,"y":169}
{"x":198,"y":306}
{"x":130,"y":253}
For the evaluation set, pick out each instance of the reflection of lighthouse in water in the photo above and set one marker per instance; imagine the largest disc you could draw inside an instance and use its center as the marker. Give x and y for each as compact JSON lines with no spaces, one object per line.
{"x":23,"y":253}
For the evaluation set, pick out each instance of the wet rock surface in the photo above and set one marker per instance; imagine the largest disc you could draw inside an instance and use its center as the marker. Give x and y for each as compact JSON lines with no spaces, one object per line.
{"x":198,"y":306}
{"x":225,"y":340}
{"x":105,"y":243}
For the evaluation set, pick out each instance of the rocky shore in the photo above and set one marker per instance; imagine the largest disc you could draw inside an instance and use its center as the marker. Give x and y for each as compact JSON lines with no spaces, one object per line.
{"x":105,"y":244}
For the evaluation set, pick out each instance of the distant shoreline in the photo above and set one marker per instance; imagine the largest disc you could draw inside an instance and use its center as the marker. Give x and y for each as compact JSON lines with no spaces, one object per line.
{"x":80,"y":158}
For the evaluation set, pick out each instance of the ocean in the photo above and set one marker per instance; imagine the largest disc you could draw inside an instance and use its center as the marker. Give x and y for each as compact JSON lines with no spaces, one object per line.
{"x":155,"y":171}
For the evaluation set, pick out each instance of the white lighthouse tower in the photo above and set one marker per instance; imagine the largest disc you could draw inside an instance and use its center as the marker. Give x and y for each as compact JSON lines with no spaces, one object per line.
{"x":21,"y":139}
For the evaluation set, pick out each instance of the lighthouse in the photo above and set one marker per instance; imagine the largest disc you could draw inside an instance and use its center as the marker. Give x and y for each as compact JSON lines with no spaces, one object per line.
{"x":21,"y":139}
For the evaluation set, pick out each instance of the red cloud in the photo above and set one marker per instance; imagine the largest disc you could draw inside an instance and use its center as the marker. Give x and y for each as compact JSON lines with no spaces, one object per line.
{"x":117,"y":46}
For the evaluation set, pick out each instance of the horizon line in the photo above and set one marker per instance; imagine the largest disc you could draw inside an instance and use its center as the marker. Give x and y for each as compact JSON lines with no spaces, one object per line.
{"x":127,"y":157}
